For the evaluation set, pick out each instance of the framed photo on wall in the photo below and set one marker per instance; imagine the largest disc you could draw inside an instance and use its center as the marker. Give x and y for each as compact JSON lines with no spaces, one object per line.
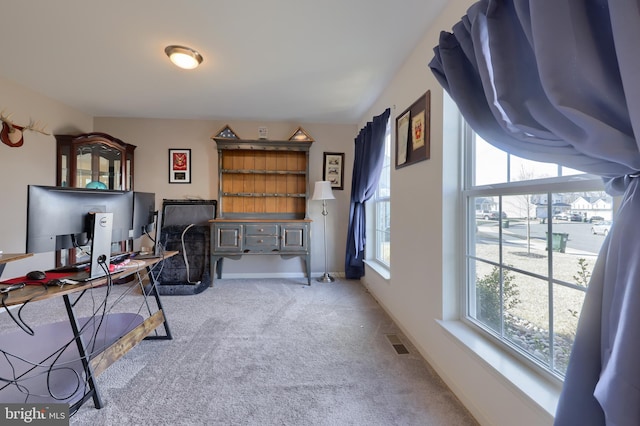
{"x":333,"y":169}
{"x":179,"y":165}
{"x":413,"y":129}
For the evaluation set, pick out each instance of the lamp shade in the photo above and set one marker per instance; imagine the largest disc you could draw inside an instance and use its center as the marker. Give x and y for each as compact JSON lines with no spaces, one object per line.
{"x":322,"y":191}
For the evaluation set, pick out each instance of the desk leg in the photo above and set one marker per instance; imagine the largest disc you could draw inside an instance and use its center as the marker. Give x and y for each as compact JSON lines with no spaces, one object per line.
{"x":93,"y":389}
{"x":154,"y":292}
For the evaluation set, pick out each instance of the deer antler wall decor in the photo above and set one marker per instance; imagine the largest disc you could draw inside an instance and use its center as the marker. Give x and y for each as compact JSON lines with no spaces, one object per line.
{"x":12,"y":134}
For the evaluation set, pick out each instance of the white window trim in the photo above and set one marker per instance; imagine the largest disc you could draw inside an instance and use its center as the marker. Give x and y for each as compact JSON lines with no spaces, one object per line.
{"x":534,"y":388}
{"x":574,"y":183}
{"x":379,"y":268}
{"x":370,"y":211}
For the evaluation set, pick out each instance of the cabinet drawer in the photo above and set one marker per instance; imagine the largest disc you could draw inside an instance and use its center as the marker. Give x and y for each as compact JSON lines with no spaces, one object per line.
{"x":261,"y":229}
{"x":261,"y":243}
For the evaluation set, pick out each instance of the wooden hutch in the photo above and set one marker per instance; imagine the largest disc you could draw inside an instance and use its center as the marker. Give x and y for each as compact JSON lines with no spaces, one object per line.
{"x":263,"y":188}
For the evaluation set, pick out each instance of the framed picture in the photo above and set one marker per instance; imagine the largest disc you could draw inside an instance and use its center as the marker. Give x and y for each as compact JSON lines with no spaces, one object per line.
{"x":333,"y":170}
{"x":179,"y":166}
{"x":413,"y":129}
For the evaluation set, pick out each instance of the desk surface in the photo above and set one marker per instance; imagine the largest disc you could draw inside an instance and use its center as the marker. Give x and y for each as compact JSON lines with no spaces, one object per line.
{"x":31,"y":293}
{"x":8,"y":257}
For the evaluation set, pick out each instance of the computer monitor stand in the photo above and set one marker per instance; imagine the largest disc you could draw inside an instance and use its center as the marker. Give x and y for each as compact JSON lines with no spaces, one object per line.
{"x":100,"y":244}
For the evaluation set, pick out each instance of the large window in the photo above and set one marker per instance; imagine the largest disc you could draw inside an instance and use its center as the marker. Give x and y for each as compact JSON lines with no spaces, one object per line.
{"x":534,"y":231}
{"x":382,"y":210}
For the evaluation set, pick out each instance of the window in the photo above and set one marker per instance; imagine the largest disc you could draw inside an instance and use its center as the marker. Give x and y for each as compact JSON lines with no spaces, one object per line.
{"x":533,"y":231}
{"x":382,"y":208}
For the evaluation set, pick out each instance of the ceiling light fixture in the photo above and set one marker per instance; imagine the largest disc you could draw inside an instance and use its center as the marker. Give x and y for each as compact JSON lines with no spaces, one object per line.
{"x":184,"y":57}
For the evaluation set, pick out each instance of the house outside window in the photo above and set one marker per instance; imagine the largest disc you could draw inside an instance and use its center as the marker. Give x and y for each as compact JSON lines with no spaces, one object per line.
{"x":533,"y":233}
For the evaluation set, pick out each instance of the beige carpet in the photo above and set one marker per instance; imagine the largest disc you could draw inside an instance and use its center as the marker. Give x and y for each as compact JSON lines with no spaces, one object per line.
{"x":271,"y":352}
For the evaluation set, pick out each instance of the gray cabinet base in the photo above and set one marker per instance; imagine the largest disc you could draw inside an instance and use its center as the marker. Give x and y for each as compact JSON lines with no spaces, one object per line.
{"x":218,"y":260}
{"x":235,"y":238}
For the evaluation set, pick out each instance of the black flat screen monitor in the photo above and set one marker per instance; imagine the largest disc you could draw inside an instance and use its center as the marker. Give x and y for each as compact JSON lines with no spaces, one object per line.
{"x":144,"y":213}
{"x":58,"y":217}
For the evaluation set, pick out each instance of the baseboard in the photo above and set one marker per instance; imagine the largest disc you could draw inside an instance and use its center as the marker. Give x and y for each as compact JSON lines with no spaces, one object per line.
{"x":258,"y":275}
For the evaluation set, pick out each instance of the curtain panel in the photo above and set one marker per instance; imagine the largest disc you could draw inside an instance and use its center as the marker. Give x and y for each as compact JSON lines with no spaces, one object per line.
{"x":367,"y":166}
{"x":557,"y":81}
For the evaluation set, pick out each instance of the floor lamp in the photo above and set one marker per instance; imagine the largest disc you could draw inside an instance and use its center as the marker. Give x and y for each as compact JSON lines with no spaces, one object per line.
{"x":322,"y":192}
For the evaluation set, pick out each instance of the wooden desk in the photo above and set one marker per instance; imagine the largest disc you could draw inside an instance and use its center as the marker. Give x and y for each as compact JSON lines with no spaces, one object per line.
{"x":9,"y":257}
{"x":122,"y":332}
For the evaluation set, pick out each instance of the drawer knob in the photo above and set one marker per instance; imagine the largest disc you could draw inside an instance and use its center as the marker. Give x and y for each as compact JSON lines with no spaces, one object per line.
{"x":261,"y":230}
{"x":261,"y":241}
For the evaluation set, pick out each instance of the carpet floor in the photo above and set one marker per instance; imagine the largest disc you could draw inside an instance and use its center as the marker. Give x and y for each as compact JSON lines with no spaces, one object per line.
{"x":271,"y":352}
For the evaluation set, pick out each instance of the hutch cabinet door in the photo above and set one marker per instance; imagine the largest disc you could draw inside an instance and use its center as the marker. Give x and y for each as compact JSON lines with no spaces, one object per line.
{"x":294,"y":237}
{"x":228,"y":238}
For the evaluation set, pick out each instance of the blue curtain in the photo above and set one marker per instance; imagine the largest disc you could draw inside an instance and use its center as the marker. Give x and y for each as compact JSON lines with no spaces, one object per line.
{"x":558,"y":81}
{"x":367,"y":166}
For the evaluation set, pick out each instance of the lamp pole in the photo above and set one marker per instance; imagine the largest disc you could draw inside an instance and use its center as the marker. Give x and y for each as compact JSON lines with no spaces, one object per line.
{"x":326,"y":278}
{"x":322,"y":192}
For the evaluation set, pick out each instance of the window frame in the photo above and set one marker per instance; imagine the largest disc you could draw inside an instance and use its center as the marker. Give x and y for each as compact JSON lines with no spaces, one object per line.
{"x":373,"y":212}
{"x":469,"y":192}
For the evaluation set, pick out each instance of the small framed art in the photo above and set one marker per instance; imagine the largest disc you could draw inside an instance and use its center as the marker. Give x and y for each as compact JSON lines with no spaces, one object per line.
{"x":413,"y":128}
{"x":333,"y":170}
{"x":179,"y":165}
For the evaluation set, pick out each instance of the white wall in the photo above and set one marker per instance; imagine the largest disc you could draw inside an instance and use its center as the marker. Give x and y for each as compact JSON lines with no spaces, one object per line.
{"x":426,"y":244}
{"x":32,"y":163}
{"x":153,"y":138}
{"x":35,"y":163}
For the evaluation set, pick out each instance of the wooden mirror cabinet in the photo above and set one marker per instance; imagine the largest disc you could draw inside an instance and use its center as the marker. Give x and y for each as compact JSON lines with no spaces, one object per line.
{"x":93,"y":160}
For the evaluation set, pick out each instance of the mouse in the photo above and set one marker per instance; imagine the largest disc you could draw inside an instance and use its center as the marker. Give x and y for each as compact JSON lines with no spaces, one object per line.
{"x":36,"y":275}
{"x":55,"y":282}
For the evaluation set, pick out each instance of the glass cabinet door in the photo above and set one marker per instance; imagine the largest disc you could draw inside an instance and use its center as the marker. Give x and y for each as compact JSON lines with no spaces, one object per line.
{"x":94,"y":160}
{"x":98,"y":166}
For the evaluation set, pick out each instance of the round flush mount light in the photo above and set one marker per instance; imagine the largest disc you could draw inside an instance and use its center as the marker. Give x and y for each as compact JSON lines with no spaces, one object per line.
{"x":184,"y":57}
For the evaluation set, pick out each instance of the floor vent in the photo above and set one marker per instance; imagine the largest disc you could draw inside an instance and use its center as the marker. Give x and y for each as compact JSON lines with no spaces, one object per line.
{"x":399,"y":347}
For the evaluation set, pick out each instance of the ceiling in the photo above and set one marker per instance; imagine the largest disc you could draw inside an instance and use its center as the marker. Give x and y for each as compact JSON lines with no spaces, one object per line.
{"x":279,"y":60}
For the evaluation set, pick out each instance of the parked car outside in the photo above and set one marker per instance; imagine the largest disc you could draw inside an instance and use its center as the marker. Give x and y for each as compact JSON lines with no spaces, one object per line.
{"x":492,"y":215}
{"x":602,"y":228}
{"x":576,"y":217}
{"x":573,"y":217}
{"x":596,"y":219}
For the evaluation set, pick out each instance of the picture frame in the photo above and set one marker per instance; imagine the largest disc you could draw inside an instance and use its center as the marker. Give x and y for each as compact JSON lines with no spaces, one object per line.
{"x":333,"y":169}
{"x":179,"y":165}
{"x":413,"y":131}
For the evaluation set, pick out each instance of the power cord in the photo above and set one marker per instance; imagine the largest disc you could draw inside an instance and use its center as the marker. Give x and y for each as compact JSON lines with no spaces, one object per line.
{"x":19,"y":321}
{"x":184,"y":255}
